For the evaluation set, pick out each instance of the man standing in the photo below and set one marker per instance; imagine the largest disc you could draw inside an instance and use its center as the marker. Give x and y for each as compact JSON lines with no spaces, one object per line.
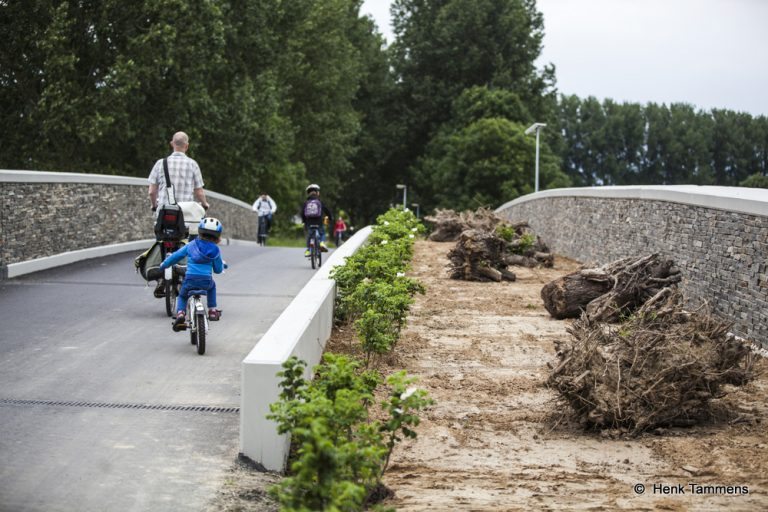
{"x":185,"y":176}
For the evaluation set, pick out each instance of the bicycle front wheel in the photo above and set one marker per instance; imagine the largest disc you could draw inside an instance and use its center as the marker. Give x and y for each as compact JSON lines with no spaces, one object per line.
{"x":200,"y":328}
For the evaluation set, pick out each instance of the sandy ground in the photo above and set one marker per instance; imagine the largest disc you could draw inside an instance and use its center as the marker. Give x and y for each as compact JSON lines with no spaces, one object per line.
{"x":496,"y":439}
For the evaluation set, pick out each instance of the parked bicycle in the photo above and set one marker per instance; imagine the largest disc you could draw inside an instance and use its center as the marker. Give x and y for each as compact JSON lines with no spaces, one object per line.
{"x":315,"y":252}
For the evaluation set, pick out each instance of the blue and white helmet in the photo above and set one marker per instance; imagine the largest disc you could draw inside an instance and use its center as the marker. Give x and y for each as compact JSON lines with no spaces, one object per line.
{"x":211,"y":227}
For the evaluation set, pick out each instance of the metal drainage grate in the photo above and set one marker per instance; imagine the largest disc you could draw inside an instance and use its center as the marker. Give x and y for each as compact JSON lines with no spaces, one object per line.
{"x":154,"y":407}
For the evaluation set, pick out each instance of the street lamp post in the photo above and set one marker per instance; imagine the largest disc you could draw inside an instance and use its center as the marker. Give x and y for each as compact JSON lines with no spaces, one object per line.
{"x":537,"y":128}
{"x":404,"y":188}
{"x":416,"y":205}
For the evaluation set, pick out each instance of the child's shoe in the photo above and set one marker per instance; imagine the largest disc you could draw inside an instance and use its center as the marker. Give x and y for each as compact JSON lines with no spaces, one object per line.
{"x":214,"y":314}
{"x":306,"y":253}
{"x":323,"y":247}
{"x":159,"y":290}
{"x":180,"y":323}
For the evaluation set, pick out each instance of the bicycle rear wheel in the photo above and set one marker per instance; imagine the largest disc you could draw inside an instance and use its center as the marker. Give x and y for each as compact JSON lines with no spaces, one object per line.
{"x":312,"y":255}
{"x":200,"y":328}
{"x":170,"y":295}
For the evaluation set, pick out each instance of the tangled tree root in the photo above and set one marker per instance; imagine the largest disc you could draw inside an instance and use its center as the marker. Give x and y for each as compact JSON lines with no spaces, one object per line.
{"x":661,"y":367}
{"x":449,"y":224}
{"x":608,"y":292}
{"x":486,"y":244}
{"x":479,"y":256}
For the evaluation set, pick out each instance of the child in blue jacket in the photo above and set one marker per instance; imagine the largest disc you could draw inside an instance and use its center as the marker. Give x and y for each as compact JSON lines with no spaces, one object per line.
{"x":203,"y":259}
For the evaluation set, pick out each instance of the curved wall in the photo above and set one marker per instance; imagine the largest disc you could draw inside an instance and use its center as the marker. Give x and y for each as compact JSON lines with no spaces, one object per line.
{"x":43,"y":214}
{"x":718,"y":236}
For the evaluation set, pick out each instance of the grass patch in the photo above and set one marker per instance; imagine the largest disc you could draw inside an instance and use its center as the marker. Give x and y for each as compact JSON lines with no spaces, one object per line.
{"x":285,"y":241}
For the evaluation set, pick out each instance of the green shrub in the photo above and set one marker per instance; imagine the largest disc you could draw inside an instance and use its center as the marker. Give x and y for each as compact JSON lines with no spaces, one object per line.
{"x":341,"y":454}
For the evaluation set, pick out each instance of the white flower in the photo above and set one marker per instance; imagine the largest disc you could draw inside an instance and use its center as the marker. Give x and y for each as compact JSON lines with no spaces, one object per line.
{"x":383,"y":242}
{"x":408,"y":392}
{"x":410,"y":236}
{"x":386,"y":223}
{"x":414,"y":229}
{"x":401,"y":274}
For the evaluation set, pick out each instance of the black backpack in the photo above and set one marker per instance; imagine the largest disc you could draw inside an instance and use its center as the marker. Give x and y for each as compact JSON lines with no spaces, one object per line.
{"x":170,"y":219}
{"x":170,"y":223}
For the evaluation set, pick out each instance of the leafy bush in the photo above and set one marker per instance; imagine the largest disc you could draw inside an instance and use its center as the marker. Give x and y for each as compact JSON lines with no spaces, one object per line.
{"x":755,"y":181}
{"x":341,"y":454}
{"x":373,"y":291}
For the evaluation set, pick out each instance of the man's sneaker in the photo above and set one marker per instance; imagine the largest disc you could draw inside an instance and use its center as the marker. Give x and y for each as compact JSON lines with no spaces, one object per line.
{"x":160,"y":290}
{"x":214,"y":314}
{"x":180,"y":323}
{"x":306,"y":253}
{"x":323,"y":247}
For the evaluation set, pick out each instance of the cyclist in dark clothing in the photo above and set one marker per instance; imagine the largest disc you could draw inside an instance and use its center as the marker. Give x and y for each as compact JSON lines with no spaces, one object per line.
{"x":313,"y":212}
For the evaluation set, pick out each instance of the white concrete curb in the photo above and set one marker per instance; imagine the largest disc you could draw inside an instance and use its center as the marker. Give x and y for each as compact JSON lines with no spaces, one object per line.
{"x":65,"y":258}
{"x":302,"y":330}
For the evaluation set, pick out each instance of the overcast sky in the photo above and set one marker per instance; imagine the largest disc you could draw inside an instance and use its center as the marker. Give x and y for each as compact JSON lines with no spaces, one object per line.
{"x":709,"y":53}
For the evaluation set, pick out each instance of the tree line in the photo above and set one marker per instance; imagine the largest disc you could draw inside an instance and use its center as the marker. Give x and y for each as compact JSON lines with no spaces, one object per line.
{"x":276,"y":94}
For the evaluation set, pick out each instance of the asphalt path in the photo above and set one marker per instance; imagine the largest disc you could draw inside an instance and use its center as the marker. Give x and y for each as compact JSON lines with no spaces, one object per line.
{"x":103,"y":407}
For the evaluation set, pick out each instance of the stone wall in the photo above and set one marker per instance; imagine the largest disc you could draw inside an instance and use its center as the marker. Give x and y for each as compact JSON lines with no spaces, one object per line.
{"x":44,"y":214}
{"x":723,"y":253}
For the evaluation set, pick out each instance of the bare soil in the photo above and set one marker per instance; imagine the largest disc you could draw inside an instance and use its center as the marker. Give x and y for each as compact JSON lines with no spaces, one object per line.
{"x":497,"y":438}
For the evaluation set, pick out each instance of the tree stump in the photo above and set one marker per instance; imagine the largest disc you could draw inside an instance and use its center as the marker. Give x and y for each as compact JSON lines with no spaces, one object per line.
{"x":607,"y":292}
{"x":479,"y":256}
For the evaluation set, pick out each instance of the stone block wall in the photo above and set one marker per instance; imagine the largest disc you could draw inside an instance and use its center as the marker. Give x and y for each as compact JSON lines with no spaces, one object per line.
{"x":44,"y":214}
{"x":723,"y":254}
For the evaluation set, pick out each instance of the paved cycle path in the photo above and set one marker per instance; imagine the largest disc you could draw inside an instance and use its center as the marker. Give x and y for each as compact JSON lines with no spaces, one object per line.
{"x":103,"y":407}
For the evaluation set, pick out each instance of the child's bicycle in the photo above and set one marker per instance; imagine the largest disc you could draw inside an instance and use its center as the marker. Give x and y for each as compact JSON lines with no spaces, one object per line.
{"x":196,"y":317}
{"x":197,"y":320}
{"x":315,"y":253}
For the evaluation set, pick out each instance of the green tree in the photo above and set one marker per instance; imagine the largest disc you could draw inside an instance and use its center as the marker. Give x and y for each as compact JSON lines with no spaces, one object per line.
{"x":755,"y":181}
{"x":444,"y":47}
{"x":485,"y":164}
{"x":322,"y":69}
{"x":377,"y":142}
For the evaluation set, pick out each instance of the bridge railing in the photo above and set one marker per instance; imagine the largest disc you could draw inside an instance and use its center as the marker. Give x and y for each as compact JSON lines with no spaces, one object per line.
{"x":51,"y":218}
{"x":718,"y":236}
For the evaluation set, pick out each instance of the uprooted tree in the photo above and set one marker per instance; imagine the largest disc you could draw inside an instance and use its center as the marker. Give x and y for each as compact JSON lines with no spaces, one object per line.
{"x":608,"y":292}
{"x":659,"y":368}
{"x":479,"y":256}
{"x":448,"y":224}
{"x":486,"y":244}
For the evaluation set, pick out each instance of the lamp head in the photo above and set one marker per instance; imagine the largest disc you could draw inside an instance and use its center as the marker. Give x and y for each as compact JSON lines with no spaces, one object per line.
{"x":534,"y":127}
